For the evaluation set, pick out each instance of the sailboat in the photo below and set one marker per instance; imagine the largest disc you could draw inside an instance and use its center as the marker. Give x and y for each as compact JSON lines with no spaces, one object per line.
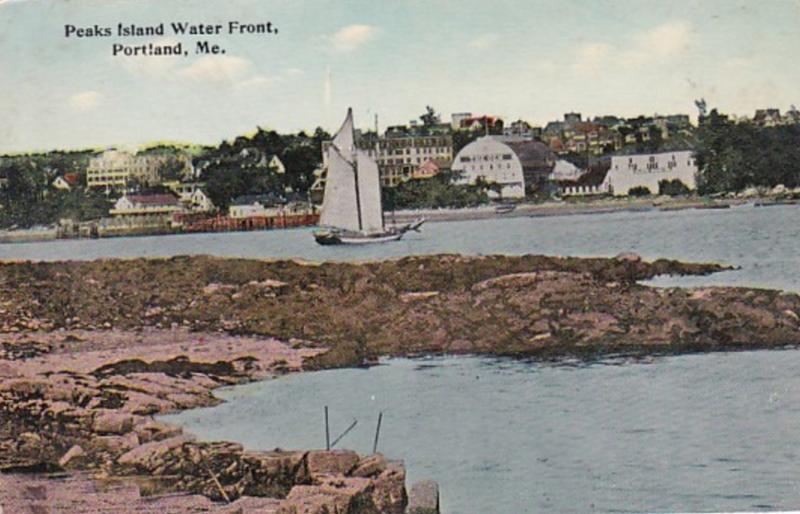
{"x":352,"y":211}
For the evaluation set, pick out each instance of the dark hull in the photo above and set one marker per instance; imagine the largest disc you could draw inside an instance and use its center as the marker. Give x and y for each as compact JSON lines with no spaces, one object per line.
{"x":343,"y":238}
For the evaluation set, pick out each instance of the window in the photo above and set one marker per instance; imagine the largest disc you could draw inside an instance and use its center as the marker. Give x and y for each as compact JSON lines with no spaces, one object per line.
{"x":506,"y":156}
{"x":464,"y":158}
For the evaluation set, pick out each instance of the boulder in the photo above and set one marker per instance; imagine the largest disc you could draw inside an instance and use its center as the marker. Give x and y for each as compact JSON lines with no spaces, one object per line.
{"x":370,"y":466}
{"x":423,"y":498}
{"x":342,"y":495}
{"x":274,"y":473}
{"x":322,"y":462}
{"x":389,"y":489}
{"x":112,"y":422}
{"x":117,"y":444}
{"x":150,"y":430}
{"x":149,"y":455}
{"x":72,"y":457}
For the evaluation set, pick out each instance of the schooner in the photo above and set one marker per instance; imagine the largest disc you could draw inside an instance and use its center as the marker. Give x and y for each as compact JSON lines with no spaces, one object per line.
{"x":352,"y":211}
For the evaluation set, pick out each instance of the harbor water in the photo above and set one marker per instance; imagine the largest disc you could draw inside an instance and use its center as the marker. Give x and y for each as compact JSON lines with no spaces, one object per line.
{"x":692,"y":433}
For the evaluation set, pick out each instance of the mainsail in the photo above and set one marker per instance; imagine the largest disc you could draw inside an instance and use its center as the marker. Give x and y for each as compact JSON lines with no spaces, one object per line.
{"x":352,"y":198}
{"x":369,"y":193}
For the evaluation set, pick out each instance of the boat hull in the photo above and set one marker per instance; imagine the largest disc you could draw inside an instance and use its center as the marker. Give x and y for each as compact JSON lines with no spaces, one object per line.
{"x":340,"y":238}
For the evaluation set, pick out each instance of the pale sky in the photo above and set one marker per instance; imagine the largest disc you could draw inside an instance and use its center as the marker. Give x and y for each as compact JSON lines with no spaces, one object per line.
{"x":529,"y":59}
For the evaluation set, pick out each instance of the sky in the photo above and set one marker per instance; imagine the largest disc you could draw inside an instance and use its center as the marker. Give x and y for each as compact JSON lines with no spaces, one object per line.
{"x":519,"y":59}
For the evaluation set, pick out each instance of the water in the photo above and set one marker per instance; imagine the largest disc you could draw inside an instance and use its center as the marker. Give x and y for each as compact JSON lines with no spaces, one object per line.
{"x":712,"y":432}
{"x":764,"y":241}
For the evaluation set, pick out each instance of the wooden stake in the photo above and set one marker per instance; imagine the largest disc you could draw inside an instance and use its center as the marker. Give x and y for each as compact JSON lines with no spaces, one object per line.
{"x":351,"y":427}
{"x":327,"y":431}
{"x":377,"y":433}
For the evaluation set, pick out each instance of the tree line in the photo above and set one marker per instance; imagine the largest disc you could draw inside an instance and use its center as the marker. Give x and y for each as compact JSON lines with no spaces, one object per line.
{"x":732,"y":156}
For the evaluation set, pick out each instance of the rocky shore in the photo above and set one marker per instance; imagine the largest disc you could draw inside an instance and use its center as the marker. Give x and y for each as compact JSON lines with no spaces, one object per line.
{"x":90,"y":351}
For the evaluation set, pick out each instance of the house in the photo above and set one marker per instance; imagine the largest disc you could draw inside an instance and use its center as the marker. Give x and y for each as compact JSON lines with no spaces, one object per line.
{"x":427,"y":169}
{"x":258,"y":205}
{"x":647,"y":170}
{"x":483,"y":123}
{"x":146,"y":205}
{"x":522,"y":129}
{"x":200,"y":202}
{"x":191,"y":195}
{"x":767,"y":117}
{"x":276,"y":165}
{"x":565,"y":170}
{"x":457,"y":117}
{"x":590,"y":182}
{"x":263,"y":160}
{"x":508,"y":165}
{"x":61,"y":184}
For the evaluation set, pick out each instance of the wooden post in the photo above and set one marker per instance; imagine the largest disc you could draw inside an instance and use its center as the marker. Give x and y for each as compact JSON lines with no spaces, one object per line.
{"x":351,"y":427}
{"x":327,"y":431}
{"x":377,"y":433}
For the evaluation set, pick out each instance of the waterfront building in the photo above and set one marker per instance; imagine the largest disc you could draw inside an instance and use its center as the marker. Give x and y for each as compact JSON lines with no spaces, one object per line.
{"x":146,"y":205}
{"x":589,"y":182}
{"x":647,"y":170}
{"x":260,"y":205}
{"x":507,"y":164}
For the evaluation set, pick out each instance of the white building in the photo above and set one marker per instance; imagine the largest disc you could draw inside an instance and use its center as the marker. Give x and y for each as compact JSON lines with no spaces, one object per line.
{"x":192,"y":195}
{"x":494,"y":162}
{"x":647,"y":170}
{"x":251,"y":206}
{"x":116,"y":168}
{"x":146,"y":205}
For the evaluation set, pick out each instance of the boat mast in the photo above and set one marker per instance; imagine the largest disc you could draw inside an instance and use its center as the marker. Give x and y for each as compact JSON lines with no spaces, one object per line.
{"x":380,"y":186}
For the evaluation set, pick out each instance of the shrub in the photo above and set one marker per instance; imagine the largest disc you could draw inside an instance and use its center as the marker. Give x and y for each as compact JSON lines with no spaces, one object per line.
{"x":639,"y":191}
{"x":672,"y":188}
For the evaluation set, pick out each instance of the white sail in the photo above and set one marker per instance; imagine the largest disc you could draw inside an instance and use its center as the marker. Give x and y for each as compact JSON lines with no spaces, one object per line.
{"x":339,"y":205}
{"x":369,"y":193}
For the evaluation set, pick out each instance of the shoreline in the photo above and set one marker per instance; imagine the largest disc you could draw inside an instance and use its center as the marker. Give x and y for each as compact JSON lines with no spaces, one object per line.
{"x":106,"y":452}
{"x":546,"y":209}
{"x":91,"y":350}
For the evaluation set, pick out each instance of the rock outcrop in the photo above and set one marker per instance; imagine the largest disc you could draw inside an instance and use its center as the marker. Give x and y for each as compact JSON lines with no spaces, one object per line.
{"x":90,"y":351}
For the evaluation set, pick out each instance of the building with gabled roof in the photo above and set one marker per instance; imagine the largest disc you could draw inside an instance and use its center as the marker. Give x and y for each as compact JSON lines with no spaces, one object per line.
{"x":146,"y":205}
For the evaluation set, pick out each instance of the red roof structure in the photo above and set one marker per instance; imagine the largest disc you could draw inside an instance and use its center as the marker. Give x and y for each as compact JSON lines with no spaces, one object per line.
{"x":154,"y":200}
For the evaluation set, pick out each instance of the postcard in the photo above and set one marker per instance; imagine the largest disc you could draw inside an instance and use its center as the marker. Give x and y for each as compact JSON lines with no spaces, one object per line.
{"x":353,"y":257}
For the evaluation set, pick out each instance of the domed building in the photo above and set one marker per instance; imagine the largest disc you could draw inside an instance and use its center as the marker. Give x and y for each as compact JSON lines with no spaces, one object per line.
{"x":512,"y":165}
